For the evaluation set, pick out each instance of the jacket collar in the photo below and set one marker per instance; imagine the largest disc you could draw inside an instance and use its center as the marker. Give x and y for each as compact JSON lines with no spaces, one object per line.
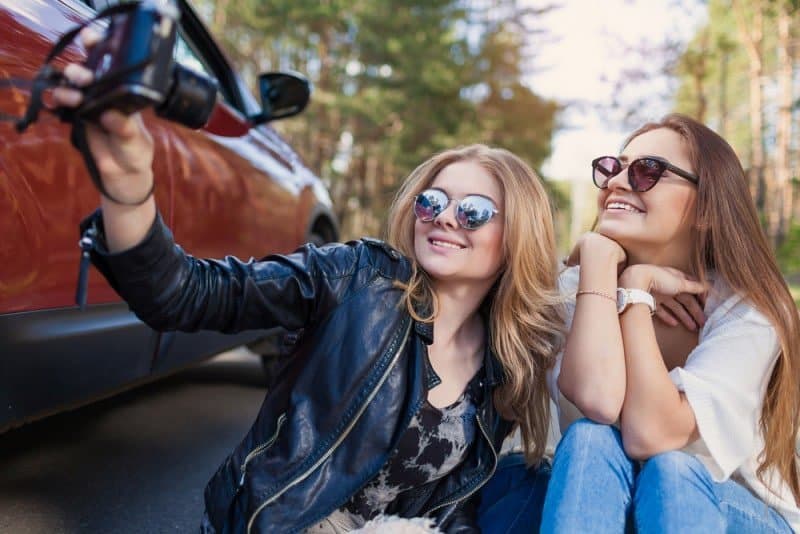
{"x":492,"y":367}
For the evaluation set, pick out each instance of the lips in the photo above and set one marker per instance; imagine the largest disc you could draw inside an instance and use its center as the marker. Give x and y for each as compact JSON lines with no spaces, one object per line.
{"x":445,"y":243}
{"x":620,"y":205}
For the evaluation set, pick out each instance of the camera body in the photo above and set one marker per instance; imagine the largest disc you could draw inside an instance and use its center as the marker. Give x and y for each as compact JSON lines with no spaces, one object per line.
{"x":133,"y":68}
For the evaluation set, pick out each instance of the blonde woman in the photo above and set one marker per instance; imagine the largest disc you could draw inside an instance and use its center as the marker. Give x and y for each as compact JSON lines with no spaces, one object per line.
{"x":689,"y":422}
{"x":417,"y":356}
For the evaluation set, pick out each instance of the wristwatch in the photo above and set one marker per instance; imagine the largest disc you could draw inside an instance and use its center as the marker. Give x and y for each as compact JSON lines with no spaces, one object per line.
{"x":626,"y":297}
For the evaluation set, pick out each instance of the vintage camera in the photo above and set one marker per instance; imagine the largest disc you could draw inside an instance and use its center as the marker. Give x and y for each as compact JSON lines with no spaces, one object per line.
{"x":133,"y":68}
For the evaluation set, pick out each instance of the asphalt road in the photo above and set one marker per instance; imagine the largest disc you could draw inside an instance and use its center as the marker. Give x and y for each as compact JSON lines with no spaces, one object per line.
{"x":134,"y":463}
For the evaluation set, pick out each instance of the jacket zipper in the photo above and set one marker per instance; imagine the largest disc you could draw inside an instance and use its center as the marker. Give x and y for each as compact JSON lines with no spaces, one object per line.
{"x":86,"y":244}
{"x":479,"y":486}
{"x":341,"y":438}
{"x":261,"y":448}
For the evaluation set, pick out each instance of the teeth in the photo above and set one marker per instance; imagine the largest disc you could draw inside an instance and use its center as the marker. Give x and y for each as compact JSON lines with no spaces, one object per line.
{"x":445,"y":244}
{"x":622,"y":206}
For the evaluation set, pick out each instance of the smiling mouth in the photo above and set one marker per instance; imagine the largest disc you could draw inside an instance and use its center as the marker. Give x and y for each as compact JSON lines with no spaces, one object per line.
{"x":445,"y":244}
{"x":622,"y":206}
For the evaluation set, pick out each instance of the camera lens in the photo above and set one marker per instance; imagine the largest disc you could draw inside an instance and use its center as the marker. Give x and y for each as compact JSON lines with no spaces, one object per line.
{"x":190,"y":99}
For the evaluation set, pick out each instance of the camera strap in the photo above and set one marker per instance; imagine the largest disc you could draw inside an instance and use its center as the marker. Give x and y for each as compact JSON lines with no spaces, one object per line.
{"x":49,"y":77}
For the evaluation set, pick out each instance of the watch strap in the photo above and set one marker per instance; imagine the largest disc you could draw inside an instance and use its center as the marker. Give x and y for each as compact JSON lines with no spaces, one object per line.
{"x":628,"y":296}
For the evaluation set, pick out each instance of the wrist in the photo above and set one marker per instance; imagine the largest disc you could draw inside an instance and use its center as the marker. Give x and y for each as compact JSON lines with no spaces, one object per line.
{"x":601,"y":249}
{"x":635,"y":277}
{"x":132,"y":194}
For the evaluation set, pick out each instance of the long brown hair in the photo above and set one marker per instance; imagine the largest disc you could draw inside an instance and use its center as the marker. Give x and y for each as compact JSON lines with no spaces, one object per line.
{"x":730,"y":242}
{"x":526,"y":324}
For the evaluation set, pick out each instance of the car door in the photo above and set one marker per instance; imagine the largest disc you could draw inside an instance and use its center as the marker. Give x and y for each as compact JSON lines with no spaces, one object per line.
{"x":52,"y":355}
{"x":233,"y":194}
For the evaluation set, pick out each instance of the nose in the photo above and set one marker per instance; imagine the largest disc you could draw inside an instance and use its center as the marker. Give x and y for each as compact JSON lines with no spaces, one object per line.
{"x":447,"y":218}
{"x":619,"y":181}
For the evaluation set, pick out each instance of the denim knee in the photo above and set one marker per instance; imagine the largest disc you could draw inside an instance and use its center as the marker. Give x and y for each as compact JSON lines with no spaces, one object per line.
{"x":585,"y":434}
{"x":670,"y":472}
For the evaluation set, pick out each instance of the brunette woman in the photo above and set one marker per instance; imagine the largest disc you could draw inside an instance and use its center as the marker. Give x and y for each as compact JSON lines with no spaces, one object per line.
{"x":687,"y":423}
{"x":416,"y":357}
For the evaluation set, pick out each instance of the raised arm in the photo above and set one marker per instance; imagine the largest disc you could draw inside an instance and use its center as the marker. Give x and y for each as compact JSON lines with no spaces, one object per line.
{"x":165,"y":287}
{"x":592,"y":374}
{"x":170,"y":290}
{"x":123,"y":151}
{"x":656,"y":416}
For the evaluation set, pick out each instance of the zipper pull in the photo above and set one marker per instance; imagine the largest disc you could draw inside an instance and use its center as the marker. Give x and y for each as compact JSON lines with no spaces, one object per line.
{"x":86,"y":244}
{"x":240,"y":485}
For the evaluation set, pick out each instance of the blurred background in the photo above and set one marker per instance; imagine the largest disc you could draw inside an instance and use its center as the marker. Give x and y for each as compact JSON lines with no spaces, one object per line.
{"x":558,"y":83}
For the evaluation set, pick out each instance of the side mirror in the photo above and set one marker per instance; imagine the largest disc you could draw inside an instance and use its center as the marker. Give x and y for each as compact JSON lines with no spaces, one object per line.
{"x":282,"y":95}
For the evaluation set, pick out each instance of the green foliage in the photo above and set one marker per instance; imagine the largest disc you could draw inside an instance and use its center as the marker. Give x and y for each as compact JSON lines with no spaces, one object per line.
{"x":788,"y":254}
{"x":403,"y":80}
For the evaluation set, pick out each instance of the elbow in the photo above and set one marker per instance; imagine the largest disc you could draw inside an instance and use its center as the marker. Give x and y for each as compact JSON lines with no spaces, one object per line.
{"x":598,"y":402}
{"x":605,"y":415}
{"x":642,"y":444}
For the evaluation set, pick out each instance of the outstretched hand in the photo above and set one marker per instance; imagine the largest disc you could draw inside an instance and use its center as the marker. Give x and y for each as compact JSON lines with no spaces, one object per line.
{"x":120,"y":144}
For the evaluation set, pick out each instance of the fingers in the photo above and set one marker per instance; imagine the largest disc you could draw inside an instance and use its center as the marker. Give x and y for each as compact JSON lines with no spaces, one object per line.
{"x":679,"y":312}
{"x":693,"y":307}
{"x":692,"y":286}
{"x":66,"y":97}
{"x":77,"y":75}
{"x":662,"y":312}
{"x":89,"y":37}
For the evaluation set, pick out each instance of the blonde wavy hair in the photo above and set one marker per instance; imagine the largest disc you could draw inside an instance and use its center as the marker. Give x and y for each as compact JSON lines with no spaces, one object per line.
{"x":524,"y":307}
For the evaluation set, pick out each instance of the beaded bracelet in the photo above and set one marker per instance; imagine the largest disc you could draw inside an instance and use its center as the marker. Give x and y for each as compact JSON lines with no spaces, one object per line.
{"x":599,"y":293}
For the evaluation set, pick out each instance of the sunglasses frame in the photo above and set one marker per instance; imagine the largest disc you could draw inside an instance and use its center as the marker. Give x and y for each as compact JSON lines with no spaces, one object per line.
{"x":494,"y":211}
{"x":686,"y":175}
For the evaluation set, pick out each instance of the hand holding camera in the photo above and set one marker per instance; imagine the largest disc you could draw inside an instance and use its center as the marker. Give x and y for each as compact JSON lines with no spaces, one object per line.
{"x":128,"y":68}
{"x":120,"y":144}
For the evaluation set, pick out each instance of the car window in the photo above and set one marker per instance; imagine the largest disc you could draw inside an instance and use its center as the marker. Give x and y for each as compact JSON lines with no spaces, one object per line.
{"x":186,"y":55}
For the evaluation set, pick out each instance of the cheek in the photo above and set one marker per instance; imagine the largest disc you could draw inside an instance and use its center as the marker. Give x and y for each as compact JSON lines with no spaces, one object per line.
{"x":601,"y":199}
{"x":492,"y":247}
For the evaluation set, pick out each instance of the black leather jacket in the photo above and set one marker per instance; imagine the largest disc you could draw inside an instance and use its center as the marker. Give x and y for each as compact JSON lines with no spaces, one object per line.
{"x":359,"y":373}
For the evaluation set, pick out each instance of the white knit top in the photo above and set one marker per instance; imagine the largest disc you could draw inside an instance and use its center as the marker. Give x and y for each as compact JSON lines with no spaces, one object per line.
{"x":724,"y":380}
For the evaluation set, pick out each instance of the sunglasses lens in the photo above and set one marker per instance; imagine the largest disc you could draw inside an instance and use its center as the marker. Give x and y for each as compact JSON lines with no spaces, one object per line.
{"x":474,"y":211}
{"x":644,"y":173}
{"x":603,"y":169}
{"x":429,"y":204}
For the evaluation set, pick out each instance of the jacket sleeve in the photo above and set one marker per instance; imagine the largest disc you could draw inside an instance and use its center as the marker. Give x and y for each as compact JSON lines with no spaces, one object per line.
{"x":171,"y":290}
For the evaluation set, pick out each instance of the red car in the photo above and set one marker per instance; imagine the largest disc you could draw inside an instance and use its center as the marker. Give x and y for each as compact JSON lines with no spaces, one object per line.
{"x":233,"y":187}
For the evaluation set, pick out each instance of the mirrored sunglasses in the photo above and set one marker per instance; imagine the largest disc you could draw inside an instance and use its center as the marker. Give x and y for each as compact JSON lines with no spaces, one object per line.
{"x":643,"y":173}
{"x":472,"y":211}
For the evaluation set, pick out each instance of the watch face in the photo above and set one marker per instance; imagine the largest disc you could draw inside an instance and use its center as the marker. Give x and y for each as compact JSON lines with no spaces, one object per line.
{"x":622,"y":299}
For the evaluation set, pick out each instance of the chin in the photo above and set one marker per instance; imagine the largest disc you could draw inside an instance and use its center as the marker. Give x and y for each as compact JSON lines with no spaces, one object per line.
{"x":623,"y":236}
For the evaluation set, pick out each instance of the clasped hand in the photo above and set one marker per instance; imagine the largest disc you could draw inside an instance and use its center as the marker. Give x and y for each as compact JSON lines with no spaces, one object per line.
{"x":679,"y":297}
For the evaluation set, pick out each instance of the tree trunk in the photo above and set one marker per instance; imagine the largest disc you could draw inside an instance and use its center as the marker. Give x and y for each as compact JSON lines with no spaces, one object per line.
{"x":781,"y":213}
{"x":752,"y":36}
{"x":220,"y":17}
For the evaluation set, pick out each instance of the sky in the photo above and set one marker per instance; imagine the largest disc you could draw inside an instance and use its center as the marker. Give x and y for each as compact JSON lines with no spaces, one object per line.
{"x":587,"y":38}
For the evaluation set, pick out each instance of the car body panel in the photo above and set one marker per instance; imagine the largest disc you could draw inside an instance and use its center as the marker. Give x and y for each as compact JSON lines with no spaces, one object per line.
{"x":229,"y":188}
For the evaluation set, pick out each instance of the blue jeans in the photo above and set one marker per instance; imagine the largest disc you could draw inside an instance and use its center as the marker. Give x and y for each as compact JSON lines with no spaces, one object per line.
{"x":511,"y":502}
{"x":595,"y":487}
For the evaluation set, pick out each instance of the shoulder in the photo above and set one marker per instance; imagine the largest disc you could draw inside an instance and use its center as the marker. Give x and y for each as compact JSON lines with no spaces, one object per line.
{"x":730,"y":314}
{"x":568,"y":279}
{"x":387,"y":260}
